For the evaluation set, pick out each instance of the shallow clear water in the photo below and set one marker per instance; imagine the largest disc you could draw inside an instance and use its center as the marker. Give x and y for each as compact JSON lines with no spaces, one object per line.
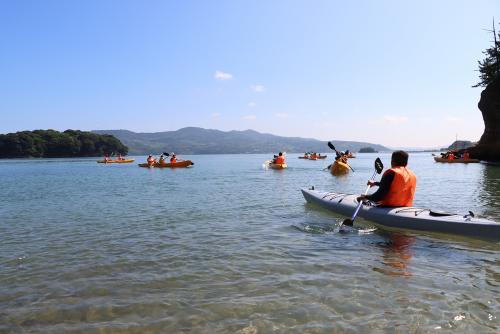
{"x":229,"y":247}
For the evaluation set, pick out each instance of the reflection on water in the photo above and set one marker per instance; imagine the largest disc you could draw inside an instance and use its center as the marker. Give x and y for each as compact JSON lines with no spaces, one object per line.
{"x":396,"y":255}
{"x":489,"y":194}
{"x":89,"y":248}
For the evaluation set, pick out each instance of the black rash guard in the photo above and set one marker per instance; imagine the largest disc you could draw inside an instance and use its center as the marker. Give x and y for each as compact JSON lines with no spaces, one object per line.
{"x":383,"y":187}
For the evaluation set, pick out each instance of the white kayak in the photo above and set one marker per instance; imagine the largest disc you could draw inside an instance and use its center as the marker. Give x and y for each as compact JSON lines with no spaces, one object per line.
{"x":407,"y":217}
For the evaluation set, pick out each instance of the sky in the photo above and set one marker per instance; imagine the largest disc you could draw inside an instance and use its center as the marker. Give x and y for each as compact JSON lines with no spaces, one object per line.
{"x":396,"y":73}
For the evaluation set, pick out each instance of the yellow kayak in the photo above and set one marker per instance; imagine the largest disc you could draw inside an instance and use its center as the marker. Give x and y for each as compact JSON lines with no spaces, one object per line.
{"x":277,"y":166}
{"x":270,"y":164}
{"x":125,"y":161}
{"x":339,"y":168}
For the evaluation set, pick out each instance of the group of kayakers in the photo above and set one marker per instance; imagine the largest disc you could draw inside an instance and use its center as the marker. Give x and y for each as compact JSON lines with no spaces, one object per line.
{"x":396,"y":187}
{"x":454,"y":155}
{"x":313,"y":156}
{"x":119,"y":159}
{"x":151,"y":160}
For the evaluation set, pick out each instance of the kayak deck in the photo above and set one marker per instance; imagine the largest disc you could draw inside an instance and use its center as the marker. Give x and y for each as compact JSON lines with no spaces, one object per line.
{"x":407,"y":217}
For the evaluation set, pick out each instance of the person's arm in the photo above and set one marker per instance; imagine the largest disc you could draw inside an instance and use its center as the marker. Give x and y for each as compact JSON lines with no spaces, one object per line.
{"x":383,"y":188}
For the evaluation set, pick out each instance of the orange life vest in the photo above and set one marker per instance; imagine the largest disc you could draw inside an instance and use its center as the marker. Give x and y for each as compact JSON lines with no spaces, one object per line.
{"x":466,"y":156}
{"x":280,"y":160}
{"x":151,"y":160}
{"x":451,"y":156}
{"x":173,"y":160}
{"x":402,"y":188}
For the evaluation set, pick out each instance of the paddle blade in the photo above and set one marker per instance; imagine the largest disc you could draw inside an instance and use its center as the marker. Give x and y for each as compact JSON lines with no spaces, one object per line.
{"x":348,"y":222}
{"x":166,"y":154}
{"x":330,"y":145}
{"x":379,"y":166}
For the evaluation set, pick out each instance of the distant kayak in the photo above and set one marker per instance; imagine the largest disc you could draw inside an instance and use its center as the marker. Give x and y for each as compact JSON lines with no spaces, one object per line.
{"x":407,"y":217}
{"x":460,"y":161}
{"x":339,"y":168}
{"x":126,"y":161}
{"x":179,"y":164}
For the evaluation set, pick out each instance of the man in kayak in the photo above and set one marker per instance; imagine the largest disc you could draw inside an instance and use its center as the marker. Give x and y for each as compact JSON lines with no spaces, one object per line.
{"x":162,"y":160}
{"x":280,"y":159}
{"x":173,"y":159}
{"x":150,"y":160}
{"x":341,"y":156}
{"x":397,"y":186}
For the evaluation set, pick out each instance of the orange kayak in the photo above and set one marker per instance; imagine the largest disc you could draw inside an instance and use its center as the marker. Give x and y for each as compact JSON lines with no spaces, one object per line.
{"x":462,"y":161}
{"x":179,"y":164}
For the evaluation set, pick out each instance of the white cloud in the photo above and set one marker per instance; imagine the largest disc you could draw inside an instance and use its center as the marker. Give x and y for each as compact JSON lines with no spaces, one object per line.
{"x":252,"y":104}
{"x":281,"y":115}
{"x":216,"y":114}
{"x":258,"y":88}
{"x":219,"y":75}
{"x":394,"y":119}
{"x":249,"y":117}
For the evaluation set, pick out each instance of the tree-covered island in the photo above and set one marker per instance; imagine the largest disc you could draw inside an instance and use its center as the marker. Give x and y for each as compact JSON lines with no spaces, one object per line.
{"x":55,"y":144}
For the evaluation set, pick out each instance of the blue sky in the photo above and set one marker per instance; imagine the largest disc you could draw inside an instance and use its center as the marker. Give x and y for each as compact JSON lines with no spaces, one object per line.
{"x":397,"y":73}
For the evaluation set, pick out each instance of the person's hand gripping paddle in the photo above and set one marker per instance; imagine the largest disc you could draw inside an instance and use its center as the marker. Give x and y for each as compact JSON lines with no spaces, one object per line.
{"x":379,"y":166}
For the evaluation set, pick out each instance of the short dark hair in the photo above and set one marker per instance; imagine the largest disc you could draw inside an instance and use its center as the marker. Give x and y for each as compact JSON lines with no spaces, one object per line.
{"x":280,"y":153}
{"x":399,"y":158}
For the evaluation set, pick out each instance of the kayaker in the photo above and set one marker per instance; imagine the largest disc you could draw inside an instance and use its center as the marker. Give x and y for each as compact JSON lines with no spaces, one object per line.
{"x":162,"y":159}
{"x":106,"y":158}
{"x":280,"y":159}
{"x":466,"y":155}
{"x":173,"y":159}
{"x":397,"y":186}
{"x":150,"y":160}
{"x":341,"y":157}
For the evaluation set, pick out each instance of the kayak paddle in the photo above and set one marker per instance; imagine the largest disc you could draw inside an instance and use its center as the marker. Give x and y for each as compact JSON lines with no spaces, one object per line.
{"x":379,"y":166}
{"x":330,"y":145}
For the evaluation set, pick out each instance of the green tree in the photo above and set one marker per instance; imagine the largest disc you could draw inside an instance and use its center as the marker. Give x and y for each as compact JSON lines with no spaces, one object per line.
{"x":489,"y":67}
{"x":51,"y":144}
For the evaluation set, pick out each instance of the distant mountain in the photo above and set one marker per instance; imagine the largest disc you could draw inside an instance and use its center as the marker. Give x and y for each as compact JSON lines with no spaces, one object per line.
{"x":459,"y":145}
{"x":192,"y":140}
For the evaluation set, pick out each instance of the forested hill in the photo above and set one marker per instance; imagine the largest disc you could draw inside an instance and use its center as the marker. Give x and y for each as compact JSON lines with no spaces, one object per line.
{"x":193,"y":140}
{"x":55,"y":144}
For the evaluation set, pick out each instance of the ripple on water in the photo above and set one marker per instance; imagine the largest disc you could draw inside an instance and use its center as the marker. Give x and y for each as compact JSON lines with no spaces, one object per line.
{"x":217,"y":249}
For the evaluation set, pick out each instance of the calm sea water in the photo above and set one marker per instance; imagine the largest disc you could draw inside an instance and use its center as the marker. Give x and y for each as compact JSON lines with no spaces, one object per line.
{"x":229,"y":247}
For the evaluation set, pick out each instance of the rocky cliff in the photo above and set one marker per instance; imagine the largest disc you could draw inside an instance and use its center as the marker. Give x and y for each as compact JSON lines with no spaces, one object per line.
{"x":488,"y":148}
